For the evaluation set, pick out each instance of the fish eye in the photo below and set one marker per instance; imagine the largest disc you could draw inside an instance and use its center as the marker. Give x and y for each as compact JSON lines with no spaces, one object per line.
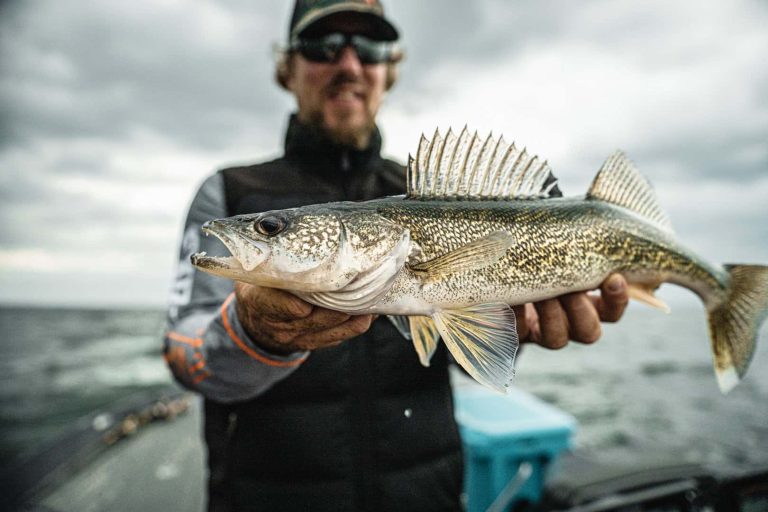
{"x":270,"y":225}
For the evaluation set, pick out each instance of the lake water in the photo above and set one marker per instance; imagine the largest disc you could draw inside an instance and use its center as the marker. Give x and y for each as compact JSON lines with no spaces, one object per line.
{"x":58,"y":365}
{"x":646,"y":387}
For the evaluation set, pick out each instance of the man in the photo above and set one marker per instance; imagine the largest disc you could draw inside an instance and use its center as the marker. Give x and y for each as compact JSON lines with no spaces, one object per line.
{"x":307,"y":408}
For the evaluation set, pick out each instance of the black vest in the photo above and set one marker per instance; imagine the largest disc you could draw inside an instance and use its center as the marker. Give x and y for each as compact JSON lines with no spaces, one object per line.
{"x":358,"y":427}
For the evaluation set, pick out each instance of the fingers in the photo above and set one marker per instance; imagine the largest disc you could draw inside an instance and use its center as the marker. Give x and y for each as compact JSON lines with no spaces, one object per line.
{"x":282,"y":323}
{"x":575,"y":316}
{"x":570,"y":317}
{"x":289,"y":336}
{"x":271,"y":302}
{"x":354,"y":326}
{"x":613,"y":298}
{"x":553,"y":324}
{"x":583,"y":320}
{"x":320,"y":319}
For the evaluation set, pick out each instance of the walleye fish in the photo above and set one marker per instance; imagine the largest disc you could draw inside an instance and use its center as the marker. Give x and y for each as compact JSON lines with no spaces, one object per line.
{"x":475,"y":233}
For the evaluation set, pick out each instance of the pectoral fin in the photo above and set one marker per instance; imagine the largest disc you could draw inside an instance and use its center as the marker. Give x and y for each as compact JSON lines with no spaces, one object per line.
{"x":477,"y":254}
{"x":644,"y":293}
{"x":483,"y":340}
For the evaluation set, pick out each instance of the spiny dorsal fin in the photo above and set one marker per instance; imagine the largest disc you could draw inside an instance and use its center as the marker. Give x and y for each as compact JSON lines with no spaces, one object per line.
{"x":468,"y":167}
{"x":620,"y":183}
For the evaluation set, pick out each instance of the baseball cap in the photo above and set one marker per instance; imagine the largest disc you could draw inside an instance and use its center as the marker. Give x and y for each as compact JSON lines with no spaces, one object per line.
{"x":306,"y":13}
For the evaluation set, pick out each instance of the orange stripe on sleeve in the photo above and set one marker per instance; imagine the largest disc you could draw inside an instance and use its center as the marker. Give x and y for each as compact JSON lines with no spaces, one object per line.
{"x":197,"y":366}
{"x":245,"y":348}
{"x":175,"y":336}
{"x":200,"y":378}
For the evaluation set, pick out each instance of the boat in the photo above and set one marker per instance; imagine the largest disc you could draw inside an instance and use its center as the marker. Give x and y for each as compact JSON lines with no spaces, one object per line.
{"x":145,"y":454}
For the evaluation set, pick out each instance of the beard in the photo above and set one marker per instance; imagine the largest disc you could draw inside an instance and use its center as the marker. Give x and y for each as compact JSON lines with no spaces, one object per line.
{"x":345,"y":134}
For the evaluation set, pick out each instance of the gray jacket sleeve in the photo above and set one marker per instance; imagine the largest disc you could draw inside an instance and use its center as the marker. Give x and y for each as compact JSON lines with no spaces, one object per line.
{"x":205,"y":346}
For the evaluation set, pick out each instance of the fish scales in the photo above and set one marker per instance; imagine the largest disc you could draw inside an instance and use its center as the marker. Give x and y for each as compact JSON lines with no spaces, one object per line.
{"x":467,"y":241}
{"x":560,"y":246}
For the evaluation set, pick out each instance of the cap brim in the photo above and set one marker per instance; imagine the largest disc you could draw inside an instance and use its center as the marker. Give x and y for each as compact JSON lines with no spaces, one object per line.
{"x":378,"y":26}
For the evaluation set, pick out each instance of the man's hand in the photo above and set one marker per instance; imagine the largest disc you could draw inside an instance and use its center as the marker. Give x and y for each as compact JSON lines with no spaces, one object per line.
{"x":282,"y":323}
{"x":575,"y":316}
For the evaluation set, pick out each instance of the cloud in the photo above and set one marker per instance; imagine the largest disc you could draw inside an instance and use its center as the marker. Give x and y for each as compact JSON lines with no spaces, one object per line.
{"x":190,"y":67}
{"x":111,"y":113}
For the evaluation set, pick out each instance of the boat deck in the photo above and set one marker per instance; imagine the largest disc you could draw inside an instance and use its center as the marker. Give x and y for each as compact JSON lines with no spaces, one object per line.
{"x":159,"y":468}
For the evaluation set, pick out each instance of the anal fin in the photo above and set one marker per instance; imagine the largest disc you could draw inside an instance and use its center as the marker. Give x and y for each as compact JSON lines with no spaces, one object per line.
{"x":644,"y":293}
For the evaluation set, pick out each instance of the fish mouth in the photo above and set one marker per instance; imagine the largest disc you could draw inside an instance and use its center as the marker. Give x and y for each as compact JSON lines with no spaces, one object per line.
{"x":213,"y":263}
{"x":247,"y":253}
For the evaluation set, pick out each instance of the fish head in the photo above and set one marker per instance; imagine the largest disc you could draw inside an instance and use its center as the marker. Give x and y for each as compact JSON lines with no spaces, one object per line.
{"x":312,"y":248}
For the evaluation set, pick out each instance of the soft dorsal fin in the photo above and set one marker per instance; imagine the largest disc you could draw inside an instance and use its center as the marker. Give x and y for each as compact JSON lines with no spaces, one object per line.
{"x":619,"y":182}
{"x":468,"y":167}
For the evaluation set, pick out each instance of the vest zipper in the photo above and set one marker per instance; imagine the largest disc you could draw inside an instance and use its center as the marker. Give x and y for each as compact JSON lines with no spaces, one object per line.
{"x":345,"y":166}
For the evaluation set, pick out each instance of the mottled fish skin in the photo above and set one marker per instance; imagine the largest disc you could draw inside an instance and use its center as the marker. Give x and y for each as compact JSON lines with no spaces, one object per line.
{"x":475,"y":233}
{"x":560,"y":246}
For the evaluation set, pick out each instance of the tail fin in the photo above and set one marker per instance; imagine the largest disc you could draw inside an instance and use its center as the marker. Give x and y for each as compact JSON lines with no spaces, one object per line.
{"x":734,"y":324}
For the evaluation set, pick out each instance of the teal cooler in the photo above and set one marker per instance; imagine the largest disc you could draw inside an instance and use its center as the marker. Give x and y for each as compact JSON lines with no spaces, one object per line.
{"x":501,"y":432}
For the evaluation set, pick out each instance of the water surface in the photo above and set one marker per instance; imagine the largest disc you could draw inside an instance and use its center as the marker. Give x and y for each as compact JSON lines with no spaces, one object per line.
{"x":647,"y":386}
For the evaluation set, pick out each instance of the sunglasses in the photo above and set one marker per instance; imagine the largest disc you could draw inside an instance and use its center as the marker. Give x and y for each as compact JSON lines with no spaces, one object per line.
{"x":329,"y":47}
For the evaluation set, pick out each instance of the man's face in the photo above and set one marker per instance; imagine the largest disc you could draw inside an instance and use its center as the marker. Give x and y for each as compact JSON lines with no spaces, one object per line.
{"x":340,"y":97}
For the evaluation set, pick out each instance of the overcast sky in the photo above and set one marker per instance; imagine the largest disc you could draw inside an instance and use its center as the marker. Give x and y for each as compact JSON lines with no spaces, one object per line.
{"x":112,"y":112}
